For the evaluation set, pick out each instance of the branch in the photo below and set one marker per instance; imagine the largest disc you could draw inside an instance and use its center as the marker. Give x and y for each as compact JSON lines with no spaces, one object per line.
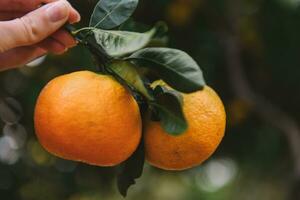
{"x":242,"y":89}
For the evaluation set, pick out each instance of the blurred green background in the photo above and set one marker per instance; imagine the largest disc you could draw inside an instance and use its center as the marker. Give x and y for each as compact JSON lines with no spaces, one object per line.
{"x":249,"y":51}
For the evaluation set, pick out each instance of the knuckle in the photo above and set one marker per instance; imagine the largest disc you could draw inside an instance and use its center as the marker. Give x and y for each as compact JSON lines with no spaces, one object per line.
{"x":29,"y":29}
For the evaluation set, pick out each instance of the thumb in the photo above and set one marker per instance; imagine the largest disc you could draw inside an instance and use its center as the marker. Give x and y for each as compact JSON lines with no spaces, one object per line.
{"x":35,"y":26}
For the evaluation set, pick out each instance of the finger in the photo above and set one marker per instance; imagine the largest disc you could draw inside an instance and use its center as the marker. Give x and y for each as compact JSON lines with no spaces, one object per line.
{"x":4,"y":16}
{"x":30,"y":5}
{"x":53,"y":46}
{"x":74,"y":15}
{"x":64,"y":38}
{"x":19,"y":5}
{"x":20,"y":56}
{"x":33,"y":27}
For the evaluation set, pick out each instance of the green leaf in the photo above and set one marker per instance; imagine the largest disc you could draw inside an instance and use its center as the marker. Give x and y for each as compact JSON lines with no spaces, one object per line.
{"x":134,"y":26}
{"x":109,"y":14}
{"x":120,"y":43}
{"x":169,"y":104}
{"x":131,"y":169}
{"x":174,"y":66}
{"x":127,"y":72}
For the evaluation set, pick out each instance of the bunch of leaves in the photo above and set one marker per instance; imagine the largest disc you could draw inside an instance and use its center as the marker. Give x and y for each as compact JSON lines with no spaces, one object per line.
{"x":126,"y":55}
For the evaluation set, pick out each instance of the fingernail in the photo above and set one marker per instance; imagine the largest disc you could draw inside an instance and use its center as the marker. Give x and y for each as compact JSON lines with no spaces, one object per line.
{"x":78,"y":17}
{"x":57,"y":11}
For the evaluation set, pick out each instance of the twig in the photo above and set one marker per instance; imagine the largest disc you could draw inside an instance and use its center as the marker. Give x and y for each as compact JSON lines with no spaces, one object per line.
{"x":265,"y":109}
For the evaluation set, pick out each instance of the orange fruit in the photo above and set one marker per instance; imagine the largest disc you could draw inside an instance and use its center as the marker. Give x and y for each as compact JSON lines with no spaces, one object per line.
{"x":206,"y":118}
{"x":87,"y":117}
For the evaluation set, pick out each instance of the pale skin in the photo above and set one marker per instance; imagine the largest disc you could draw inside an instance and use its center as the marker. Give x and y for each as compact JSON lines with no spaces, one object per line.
{"x":32,"y":28}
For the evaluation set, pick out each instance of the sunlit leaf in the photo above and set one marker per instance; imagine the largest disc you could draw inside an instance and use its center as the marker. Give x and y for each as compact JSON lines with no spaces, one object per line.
{"x":127,"y":72}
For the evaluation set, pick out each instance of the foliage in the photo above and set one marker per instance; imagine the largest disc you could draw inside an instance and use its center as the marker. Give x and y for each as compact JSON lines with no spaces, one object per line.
{"x":268,"y":36}
{"x":121,"y":53}
{"x":110,"y":14}
{"x":174,"y":66}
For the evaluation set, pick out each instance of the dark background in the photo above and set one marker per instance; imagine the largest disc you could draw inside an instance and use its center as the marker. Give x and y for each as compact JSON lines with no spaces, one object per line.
{"x":249,"y":53}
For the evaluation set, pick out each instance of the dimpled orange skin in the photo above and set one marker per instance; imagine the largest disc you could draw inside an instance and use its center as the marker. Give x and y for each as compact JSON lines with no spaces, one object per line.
{"x":88,"y":117}
{"x":206,"y":117}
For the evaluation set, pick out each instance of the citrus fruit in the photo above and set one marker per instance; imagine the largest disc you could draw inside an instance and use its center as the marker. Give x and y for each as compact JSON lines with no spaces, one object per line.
{"x":206,"y":118}
{"x":87,"y":117}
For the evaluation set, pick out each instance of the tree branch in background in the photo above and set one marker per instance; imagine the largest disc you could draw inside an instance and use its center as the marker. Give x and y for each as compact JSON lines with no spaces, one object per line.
{"x":267,"y":111}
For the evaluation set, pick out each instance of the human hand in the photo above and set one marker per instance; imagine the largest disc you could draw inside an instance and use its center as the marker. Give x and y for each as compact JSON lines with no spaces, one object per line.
{"x":29,"y":30}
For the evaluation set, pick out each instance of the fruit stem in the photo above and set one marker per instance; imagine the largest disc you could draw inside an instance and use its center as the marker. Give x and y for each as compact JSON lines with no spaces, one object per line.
{"x":138,"y":97}
{"x":89,"y":41}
